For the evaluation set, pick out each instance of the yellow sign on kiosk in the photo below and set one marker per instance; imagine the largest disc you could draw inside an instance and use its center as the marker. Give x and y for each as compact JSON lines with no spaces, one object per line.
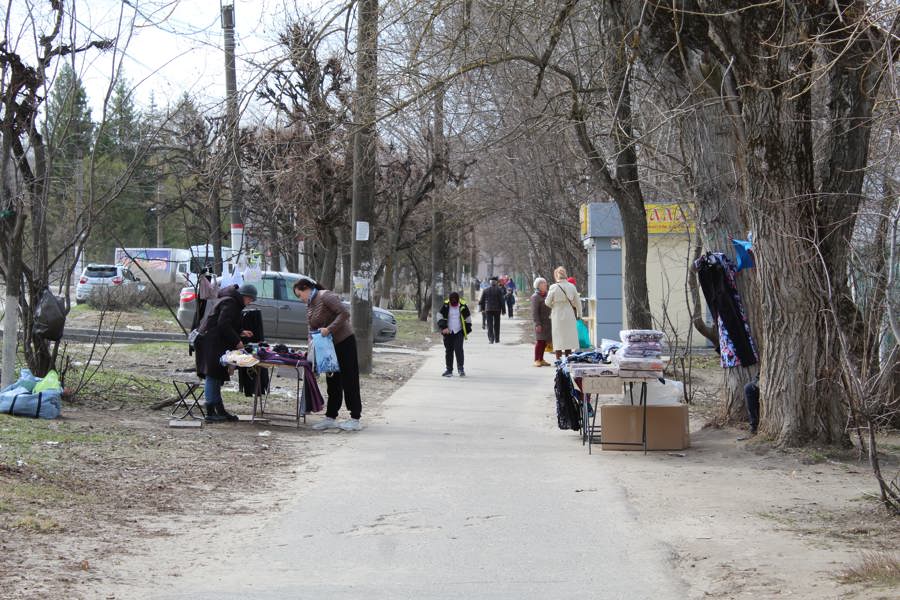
{"x":668,"y":218}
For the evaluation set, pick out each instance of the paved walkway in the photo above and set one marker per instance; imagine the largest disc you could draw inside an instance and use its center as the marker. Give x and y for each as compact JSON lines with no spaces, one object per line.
{"x":464,"y":489}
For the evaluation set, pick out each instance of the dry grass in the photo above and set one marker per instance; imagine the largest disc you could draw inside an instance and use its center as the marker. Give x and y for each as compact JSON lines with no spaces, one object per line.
{"x":882,"y":568}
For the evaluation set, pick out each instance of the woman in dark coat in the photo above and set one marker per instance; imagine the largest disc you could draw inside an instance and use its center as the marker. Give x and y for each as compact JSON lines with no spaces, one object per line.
{"x":540,"y":315}
{"x":221,"y":333}
{"x":326,"y":314}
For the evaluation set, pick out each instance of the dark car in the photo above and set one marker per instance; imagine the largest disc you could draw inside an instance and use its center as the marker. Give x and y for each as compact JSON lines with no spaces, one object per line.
{"x":284,"y":316}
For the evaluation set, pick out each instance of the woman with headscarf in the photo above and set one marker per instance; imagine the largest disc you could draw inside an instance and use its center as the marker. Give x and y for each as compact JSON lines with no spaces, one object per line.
{"x":326,"y":314}
{"x":563,"y":300}
{"x":540,"y":315}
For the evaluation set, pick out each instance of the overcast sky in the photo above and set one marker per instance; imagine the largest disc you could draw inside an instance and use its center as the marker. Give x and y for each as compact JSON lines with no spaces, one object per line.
{"x":177,"y":45}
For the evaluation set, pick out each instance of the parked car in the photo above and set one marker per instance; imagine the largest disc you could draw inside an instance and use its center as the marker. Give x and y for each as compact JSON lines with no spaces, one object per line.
{"x":284,"y":316}
{"x":95,"y":277}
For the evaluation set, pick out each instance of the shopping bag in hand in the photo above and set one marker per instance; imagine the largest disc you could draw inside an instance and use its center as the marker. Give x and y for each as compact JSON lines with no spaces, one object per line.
{"x":325,"y":356}
{"x":584,"y":336}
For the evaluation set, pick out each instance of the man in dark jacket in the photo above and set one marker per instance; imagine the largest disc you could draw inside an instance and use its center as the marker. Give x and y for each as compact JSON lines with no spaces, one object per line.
{"x":455,"y":323}
{"x":492,"y":302}
{"x":220,"y":333}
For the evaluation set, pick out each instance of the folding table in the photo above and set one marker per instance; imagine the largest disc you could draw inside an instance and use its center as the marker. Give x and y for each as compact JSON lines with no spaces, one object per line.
{"x":607,"y":385}
{"x":260,"y":400}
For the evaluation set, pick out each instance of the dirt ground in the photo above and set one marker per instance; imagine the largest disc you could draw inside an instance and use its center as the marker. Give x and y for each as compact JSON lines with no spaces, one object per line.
{"x":79,"y":490}
{"x":740,"y":519}
{"x":148,"y":319}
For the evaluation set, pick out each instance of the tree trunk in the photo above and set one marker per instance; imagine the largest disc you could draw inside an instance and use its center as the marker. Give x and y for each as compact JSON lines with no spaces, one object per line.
{"x":328,"y":267}
{"x":274,"y":247}
{"x":387,"y":280}
{"x":215,"y":231}
{"x":710,"y":146}
{"x":800,"y":391}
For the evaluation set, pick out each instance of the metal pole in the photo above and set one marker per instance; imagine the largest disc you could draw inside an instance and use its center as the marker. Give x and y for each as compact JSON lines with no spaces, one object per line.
{"x":437,"y":217}
{"x":364,"y":167}
{"x":233,"y":134}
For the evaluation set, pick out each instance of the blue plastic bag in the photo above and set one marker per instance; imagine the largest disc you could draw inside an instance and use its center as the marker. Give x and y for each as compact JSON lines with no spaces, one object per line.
{"x":326,"y":357}
{"x":584,"y":336}
{"x":20,"y":399}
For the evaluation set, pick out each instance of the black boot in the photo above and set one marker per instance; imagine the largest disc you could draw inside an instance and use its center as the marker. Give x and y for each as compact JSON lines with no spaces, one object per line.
{"x":220,"y":410}
{"x":212,"y":414}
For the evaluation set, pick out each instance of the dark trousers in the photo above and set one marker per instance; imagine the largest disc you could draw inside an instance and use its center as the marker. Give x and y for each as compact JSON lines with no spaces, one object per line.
{"x":509,"y":306}
{"x":751,"y":398}
{"x":344,"y":386}
{"x":453,"y":344}
{"x":493,"y":325}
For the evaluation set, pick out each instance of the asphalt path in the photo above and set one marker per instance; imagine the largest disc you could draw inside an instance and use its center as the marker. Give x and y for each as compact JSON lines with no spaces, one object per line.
{"x":464,"y":488}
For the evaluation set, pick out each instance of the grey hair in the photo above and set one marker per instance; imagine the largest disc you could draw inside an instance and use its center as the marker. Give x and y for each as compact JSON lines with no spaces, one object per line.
{"x":538,"y":281}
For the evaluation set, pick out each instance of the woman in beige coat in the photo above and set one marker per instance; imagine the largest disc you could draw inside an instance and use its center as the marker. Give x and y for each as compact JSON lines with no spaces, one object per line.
{"x":564,"y":301}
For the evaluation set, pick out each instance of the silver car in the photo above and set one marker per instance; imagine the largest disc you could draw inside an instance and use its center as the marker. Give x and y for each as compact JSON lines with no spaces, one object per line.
{"x":283,"y":315}
{"x":97,"y":277}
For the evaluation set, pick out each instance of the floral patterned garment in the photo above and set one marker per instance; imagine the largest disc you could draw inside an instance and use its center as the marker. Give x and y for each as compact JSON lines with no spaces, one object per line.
{"x":727,"y":355}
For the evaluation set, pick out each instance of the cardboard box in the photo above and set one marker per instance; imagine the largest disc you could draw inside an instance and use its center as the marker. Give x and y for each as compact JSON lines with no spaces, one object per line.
{"x":667,"y":427}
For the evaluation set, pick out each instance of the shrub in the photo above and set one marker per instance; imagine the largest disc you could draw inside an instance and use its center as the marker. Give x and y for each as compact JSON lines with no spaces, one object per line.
{"x":117,"y":298}
{"x":168,"y":295}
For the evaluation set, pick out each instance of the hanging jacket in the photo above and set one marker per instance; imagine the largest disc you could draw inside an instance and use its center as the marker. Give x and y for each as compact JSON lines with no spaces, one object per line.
{"x":716,"y":274}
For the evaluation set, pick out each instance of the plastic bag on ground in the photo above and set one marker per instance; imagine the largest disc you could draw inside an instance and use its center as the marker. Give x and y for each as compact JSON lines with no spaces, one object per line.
{"x":49,"y":382}
{"x":23,"y":399}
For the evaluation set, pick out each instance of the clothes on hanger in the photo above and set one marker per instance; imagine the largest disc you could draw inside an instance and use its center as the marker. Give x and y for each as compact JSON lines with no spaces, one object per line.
{"x":716,"y":274}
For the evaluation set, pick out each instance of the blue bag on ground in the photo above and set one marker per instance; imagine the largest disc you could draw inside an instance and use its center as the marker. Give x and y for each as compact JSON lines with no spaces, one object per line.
{"x":584,"y":336}
{"x":20,"y":399}
{"x":326,"y":357}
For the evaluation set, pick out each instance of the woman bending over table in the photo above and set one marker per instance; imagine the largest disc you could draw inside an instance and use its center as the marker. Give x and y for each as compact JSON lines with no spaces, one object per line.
{"x":327,"y":315}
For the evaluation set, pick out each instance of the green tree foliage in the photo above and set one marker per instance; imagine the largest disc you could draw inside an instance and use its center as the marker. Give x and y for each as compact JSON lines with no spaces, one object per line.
{"x":68,"y":131}
{"x":122,"y":159}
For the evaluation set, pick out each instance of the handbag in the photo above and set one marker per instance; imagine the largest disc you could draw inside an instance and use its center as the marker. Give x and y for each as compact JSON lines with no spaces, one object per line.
{"x":549,"y":347}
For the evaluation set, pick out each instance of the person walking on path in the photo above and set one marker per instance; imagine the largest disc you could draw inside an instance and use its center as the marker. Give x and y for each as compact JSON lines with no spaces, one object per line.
{"x":326,"y":314}
{"x":563,"y":300}
{"x":483,"y":286}
{"x":510,"y":295}
{"x":221,"y":332}
{"x":492,"y":303}
{"x":455,"y":324}
{"x":540,"y":315}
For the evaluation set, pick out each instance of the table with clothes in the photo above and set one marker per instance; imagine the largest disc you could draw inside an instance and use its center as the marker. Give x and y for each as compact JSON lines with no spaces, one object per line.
{"x":256,"y":365}
{"x":614,"y":369}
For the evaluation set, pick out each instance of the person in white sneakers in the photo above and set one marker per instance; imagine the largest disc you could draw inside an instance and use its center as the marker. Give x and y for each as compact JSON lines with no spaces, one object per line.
{"x":326,"y":314}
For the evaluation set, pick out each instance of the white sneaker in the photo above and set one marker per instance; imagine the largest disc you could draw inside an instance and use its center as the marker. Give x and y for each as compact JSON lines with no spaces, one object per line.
{"x":350,"y":425}
{"x":326,"y":423}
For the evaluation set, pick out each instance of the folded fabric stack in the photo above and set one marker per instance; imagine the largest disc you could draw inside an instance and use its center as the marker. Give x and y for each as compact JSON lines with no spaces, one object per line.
{"x":594,"y":370}
{"x":238,"y":358}
{"x":640,"y":354}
